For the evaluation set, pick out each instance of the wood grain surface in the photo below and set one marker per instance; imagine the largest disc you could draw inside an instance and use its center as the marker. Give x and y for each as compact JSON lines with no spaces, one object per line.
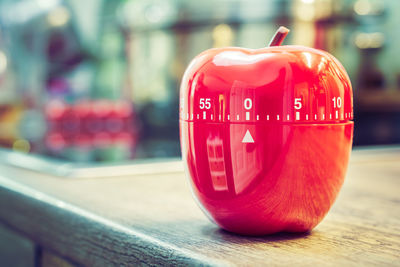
{"x":153,"y":220}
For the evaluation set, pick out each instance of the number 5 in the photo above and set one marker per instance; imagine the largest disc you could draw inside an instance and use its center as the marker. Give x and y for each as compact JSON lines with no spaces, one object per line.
{"x":208,"y":103}
{"x":297,"y":103}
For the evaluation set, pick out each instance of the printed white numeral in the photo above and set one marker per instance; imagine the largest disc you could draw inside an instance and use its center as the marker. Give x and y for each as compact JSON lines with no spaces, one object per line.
{"x":248,"y":103}
{"x":297,"y":103}
{"x":337,"y":102}
{"x":205,"y":103}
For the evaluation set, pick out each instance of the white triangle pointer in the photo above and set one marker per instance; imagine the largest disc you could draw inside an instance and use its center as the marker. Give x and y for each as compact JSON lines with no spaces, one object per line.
{"x":248,"y":138}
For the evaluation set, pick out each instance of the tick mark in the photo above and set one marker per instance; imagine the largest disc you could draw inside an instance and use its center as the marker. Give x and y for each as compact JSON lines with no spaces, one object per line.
{"x":306,"y":116}
{"x":237,"y":117}
{"x":267,"y":117}
{"x":277,"y":117}
{"x":258,"y":117}
{"x":204,"y":115}
{"x":337,"y":114}
{"x":297,"y":116}
{"x":228,"y":117}
{"x":247,"y":116}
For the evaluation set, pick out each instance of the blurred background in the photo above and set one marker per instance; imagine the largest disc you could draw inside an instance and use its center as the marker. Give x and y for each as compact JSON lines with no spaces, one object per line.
{"x":98,"y":80}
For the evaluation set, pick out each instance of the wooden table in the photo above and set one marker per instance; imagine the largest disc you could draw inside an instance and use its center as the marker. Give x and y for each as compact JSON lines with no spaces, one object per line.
{"x":152,"y":219}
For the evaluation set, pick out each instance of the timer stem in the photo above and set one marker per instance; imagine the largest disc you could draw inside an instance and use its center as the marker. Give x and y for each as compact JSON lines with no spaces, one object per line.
{"x":279,"y":36}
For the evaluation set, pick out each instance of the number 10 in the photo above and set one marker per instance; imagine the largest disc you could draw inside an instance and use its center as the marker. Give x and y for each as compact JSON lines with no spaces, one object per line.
{"x":337,"y":102}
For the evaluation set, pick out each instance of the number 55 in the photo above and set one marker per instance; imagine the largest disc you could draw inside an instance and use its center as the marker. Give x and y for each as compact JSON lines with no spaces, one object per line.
{"x":205,"y":103}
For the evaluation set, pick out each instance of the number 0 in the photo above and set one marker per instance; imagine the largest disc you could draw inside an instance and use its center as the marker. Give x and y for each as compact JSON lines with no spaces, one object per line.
{"x":248,"y":103}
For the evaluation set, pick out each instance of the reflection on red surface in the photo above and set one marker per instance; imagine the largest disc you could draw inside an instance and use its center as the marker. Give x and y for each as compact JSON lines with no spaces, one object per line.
{"x":216,"y":162}
{"x":266,"y":136}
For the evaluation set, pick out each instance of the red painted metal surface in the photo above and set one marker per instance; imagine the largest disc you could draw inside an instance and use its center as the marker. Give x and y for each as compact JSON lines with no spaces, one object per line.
{"x":266,"y":136}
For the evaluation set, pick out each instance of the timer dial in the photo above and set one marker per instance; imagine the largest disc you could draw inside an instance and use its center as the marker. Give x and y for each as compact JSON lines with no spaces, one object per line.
{"x":294,"y":84}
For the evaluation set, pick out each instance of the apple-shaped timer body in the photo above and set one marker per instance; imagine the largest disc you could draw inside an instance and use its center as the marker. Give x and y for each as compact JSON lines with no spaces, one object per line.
{"x":266,"y":136}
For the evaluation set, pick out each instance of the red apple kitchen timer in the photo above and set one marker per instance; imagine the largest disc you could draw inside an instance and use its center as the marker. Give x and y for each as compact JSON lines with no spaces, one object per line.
{"x":266,"y":135}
